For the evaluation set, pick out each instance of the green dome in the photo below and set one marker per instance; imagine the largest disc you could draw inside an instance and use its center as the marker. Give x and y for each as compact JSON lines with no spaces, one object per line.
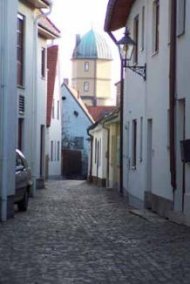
{"x":92,"y":46}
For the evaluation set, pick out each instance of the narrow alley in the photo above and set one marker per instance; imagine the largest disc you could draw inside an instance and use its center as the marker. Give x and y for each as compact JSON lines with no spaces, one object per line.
{"x":74,"y":232}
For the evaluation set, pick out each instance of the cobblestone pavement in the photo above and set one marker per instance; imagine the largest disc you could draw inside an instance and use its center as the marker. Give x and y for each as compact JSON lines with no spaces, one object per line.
{"x":78,"y":233}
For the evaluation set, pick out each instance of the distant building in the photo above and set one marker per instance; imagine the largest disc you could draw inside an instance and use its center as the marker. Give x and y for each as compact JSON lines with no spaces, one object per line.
{"x":75,"y":146}
{"x":91,"y":69}
{"x":53,"y":148}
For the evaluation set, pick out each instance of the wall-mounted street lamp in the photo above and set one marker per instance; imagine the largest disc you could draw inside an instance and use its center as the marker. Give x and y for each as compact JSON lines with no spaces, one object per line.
{"x":126,"y":47}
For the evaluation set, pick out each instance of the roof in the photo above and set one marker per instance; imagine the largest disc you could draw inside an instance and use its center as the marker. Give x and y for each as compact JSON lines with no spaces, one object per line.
{"x":112,"y":117}
{"x":47,"y":28}
{"x":92,"y":45}
{"x":39,"y":3}
{"x":98,"y":112}
{"x":79,"y":101}
{"x":116,"y":14}
{"x":52,"y":57}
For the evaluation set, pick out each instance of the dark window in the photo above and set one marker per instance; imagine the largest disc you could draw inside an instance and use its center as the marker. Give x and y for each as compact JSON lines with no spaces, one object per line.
{"x":156,"y":16}
{"x":136,"y":37}
{"x":20,"y":50}
{"x":134,"y":143}
{"x":43,"y":62}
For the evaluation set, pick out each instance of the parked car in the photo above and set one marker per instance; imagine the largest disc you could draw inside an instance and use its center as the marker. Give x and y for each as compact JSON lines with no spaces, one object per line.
{"x":23,"y":181}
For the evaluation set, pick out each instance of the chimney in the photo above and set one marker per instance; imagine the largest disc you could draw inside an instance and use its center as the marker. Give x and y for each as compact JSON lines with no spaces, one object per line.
{"x":66,"y":81}
{"x":77,"y":40}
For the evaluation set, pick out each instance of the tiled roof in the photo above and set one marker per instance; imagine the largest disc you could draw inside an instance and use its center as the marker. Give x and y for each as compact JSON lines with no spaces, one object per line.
{"x":98,"y":112}
{"x":52,"y":56}
{"x":46,"y":24}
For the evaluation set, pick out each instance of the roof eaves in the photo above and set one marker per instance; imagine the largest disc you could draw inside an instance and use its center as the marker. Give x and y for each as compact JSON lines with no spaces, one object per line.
{"x":116,"y":14}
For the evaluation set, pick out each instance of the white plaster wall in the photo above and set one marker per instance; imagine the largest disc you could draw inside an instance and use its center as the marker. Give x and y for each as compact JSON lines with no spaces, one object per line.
{"x":148,"y":99}
{"x":100,"y":134}
{"x":55,"y":127}
{"x":28,"y":89}
{"x":183,"y":87}
{"x":8,"y":115}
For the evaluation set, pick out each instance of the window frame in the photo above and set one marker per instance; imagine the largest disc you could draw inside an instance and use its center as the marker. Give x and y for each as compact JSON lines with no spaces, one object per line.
{"x":156,"y":24}
{"x":20,"y":49}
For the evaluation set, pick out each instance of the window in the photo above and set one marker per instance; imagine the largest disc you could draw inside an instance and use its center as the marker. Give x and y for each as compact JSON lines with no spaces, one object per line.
{"x":58,"y":110}
{"x":142,"y":28}
{"x":58,"y":151}
{"x":156,"y":16}
{"x":141,"y":139}
{"x":86,"y":66}
{"x":53,"y":109}
{"x":181,"y":8}
{"x":20,"y":50}
{"x":136,"y":38}
{"x":86,"y":86}
{"x":51,"y":157}
{"x":134,"y":143}
{"x":43,"y":62}
{"x":95,"y":151}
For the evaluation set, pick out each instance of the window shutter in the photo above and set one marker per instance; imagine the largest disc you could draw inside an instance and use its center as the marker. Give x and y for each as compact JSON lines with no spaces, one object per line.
{"x":180,"y":17}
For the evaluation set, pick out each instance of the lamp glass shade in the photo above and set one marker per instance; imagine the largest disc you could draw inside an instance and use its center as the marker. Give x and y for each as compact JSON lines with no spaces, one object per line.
{"x":126,"y":46}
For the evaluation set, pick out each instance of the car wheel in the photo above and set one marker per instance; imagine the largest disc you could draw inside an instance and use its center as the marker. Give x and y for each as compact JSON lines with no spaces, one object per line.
{"x":23,"y":204}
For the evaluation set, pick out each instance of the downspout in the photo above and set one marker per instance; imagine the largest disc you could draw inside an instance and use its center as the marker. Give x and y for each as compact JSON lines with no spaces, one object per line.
{"x":121,"y":116}
{"x":108,"y":152}
{"x":91,"y":155}
{"x":35,"y":90}
{"x":172,"y":93}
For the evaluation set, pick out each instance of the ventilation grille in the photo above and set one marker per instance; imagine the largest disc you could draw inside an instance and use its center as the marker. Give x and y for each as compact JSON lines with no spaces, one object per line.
{"x":21,"y":104}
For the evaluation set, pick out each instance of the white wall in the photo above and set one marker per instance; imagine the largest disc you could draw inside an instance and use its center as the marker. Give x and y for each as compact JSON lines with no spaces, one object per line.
{"x":55,"y":129}
{"x":150,"y":100}
{"x":8,"y":121}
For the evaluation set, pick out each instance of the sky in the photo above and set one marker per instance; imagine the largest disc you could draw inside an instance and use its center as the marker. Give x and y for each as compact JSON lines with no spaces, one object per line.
{"x":78,"y":17}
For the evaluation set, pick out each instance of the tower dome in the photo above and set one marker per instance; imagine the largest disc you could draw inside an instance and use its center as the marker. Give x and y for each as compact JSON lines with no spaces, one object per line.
{"x":91,"y":46}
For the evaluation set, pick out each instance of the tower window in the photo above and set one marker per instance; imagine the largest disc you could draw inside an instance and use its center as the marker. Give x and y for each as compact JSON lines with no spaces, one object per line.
{"x":86,"y":66}
{"x":86,"y":86}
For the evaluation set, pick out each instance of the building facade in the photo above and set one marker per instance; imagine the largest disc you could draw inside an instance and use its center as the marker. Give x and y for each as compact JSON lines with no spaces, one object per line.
{"x":53,"y":138}
{"x":155,"y":110}
{"x":75,"y":145}
{"x":34,"y":30}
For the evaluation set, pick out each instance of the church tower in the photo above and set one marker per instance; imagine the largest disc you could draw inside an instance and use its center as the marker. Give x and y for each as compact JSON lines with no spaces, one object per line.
{"x":91,"y":69}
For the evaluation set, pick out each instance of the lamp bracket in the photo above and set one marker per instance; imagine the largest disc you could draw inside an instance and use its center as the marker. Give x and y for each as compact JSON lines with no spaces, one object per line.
{"x":140,"y":70}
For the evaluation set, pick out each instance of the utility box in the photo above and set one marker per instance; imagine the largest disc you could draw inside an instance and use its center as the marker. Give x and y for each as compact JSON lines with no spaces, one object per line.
{"x":185,"y":150}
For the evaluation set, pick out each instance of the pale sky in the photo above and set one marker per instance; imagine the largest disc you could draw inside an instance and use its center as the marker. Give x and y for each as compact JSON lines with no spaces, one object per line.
{"x":78,"y":17}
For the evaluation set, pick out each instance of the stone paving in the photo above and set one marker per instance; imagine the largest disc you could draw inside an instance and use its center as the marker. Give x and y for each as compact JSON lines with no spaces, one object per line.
{"x":78,"y":233}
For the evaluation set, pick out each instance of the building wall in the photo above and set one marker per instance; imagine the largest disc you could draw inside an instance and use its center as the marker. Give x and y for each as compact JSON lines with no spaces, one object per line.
{"x":55,"y":130}
{"x":74,"y":125}
{"x":98,"y":76}
{"x":8,"y":121}
{"x":151,"y":173}
{"x":99,"y":161}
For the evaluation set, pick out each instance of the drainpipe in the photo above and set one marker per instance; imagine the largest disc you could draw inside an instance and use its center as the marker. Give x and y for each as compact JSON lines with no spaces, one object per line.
{"x":121,"y":116}
{"x":172,"y":93}
{"x":108,"y":151}
{"x":91,"y":155}
{"x":35,"y":91}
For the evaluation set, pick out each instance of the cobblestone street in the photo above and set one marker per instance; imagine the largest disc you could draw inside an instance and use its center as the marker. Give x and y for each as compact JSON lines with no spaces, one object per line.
{"x":78,"y":233}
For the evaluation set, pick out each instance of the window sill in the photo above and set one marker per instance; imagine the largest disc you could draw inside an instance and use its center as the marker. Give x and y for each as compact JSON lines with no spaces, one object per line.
{"x":21,"y":87}
{"x":155,"y":53}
